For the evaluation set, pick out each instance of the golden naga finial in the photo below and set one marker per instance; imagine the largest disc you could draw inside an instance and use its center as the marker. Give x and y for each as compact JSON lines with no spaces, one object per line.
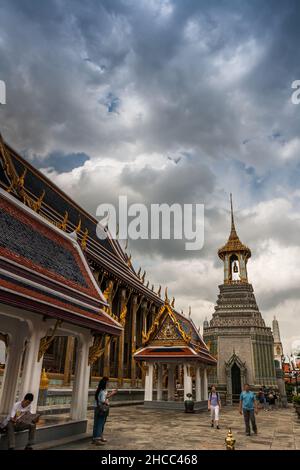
{"x":84,"y":239}
{"x":230,"y":441}
{"x":63,"y":224}
{"x":190,"y":311}
{"x":38,"y":203}
{"x":78,"y":228}
{"x":159,"y":291}
{"x":143,"y":277}
{"x":173,"y":302}
{"x":166,"y":296}
{"x":129,"y":261}
{"x":139,"y":273}
{"x":147,"y":285}
{"x":152,"y":287}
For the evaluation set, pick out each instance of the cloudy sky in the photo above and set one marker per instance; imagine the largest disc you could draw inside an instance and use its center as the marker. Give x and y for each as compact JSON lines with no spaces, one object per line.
{"x":179,"y":101}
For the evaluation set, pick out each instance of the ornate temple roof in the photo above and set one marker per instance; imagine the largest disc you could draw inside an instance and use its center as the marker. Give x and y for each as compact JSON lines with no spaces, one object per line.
{"x":43,"y":269}
{"x":36,"y":191}
{"x":173,"y":336}
{"x":233,"y":244}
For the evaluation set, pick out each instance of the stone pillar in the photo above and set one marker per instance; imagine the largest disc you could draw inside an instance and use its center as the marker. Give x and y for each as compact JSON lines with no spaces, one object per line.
{"x":11,"y":374}
{"x":81,"y":382}
{"x":159,"y":382}
{"x":171,"y":368}
{"x":133,"y":340}
{"x":187,"y":381}
{"x":205,"y":385}
{"x":69,"y":360}
{"x":198,"y":384}
{"x":149,"y":382}
{"x":32,"y":368}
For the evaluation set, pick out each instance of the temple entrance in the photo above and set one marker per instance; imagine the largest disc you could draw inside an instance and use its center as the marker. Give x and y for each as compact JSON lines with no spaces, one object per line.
{"x":236,"y":382}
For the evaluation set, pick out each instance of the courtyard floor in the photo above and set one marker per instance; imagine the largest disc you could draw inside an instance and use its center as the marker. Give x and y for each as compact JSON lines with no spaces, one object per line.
{"x":136,"y":428}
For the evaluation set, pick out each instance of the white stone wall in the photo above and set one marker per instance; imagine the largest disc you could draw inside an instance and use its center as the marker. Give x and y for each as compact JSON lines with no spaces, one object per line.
{"x":242,"y":348}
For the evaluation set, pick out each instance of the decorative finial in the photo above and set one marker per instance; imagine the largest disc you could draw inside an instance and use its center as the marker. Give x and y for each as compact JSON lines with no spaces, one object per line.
{"x":147,"y":284}
{"x":229,"y":441}
{"x":233,"y":233}
{"x":173,"y":302}
{"x":129,"y":260}
{"x":143,"y":277}
{"x":190,"y":311}
{"x":139,"y":273}
{"x":166,"y":295}
{"x":152,"y":287}
{"x":159,"y":291}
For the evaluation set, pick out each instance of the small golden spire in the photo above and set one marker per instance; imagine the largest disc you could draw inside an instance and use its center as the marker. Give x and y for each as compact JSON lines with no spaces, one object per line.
{"x":159,"y":291}
{"x":233,"y":234}
{"x":152,"y":287}
{"x":173,"y":302}
{"x":139,"y":273}
{"x":143,"y":277}
{"x":129,"y":260}
{"x":84,"y":239}
{"x":166,"y":296}
{"x":230,"y":441}
{"x":147,"y":284}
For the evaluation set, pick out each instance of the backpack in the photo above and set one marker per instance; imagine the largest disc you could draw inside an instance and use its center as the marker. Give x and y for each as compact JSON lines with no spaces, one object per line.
{"x":218,"y":396}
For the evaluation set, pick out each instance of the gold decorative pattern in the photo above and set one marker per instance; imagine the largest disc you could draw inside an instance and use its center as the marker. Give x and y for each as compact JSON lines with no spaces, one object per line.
{"x":47,"y":340}
{"x":84,"y":239}
{"x":156,"y":324}
{"x":97,"y":349}
{"x":17,"y":183}
{"x":63,"y":224}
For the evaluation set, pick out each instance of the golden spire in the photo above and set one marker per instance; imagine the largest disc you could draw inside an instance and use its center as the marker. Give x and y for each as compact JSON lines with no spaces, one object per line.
{"x":233,"y":234}
{"x":166,"y":295}
{"x":233,"y":244}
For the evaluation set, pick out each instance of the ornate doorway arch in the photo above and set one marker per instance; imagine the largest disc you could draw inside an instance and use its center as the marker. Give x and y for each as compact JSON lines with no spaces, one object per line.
{"x":236,"y":377}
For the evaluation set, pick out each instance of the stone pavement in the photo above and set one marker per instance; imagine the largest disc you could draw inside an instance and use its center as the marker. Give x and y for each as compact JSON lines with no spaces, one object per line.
{"x":136,"y":428}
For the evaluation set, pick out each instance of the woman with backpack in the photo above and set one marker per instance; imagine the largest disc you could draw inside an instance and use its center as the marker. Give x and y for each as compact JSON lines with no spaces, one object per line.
{"x":101,"y":410}
{"x":214,"y":405}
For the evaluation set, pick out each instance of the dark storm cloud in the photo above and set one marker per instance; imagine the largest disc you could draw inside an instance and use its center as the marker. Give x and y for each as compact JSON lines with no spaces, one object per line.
{"x":184,"y":100}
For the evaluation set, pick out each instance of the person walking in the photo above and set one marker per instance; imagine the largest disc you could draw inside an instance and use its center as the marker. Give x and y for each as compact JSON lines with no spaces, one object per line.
{"x":272,"y":398}
{"x":262,"y":399}
{"x":248,"y":408}
{"x":214,"y":406}
{"x":101,"y":410}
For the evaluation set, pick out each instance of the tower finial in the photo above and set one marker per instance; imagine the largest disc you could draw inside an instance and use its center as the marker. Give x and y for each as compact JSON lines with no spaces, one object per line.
{"x":233,"y":233}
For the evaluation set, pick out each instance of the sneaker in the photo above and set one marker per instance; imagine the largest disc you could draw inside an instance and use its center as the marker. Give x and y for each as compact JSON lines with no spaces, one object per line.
{"x":212,"y":425}
{"x":218,"y":427}
{"x":103,"y":440}
{"x":248,"y":434}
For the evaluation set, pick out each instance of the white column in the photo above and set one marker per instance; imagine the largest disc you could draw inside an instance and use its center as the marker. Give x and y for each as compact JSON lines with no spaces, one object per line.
{"x":11,"y":374}
{"x":159,"y":382}
{"x":187,"y":380}
{"x":198,"y":384}
{"x":170,"y":382}
{"x":149,"y":382}
{"x":31,"y":373}
{"x":81,"y":382}
{"x":205,"y":385}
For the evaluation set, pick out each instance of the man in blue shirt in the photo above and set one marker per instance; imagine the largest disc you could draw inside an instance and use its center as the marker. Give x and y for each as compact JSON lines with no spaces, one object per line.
{"x":248,"y":408}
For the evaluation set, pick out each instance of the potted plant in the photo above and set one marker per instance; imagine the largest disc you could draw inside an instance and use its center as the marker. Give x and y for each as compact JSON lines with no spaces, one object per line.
{"x":189,"y":403}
